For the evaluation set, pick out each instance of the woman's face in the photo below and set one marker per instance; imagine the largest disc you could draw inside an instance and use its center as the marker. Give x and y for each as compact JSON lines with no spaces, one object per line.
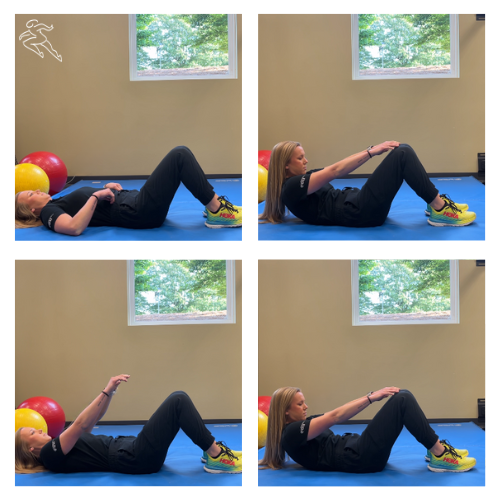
{"x":297,"y":163}
{"x":36,"y":439}
{"x":297,"y":410}
{"x":35,"y":200}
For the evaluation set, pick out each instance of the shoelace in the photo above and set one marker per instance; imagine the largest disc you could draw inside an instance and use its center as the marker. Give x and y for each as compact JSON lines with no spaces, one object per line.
{"x":226,"y":450}
{"x":450,"y":449}
{"x":225,"y":203}
{"x":450,"y":203}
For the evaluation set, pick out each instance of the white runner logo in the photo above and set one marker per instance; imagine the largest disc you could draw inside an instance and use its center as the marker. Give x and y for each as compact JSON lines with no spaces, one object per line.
{"x":38,"y":38}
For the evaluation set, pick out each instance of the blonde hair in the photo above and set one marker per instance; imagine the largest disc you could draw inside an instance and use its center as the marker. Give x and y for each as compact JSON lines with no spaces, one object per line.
{"x":275,"y":455}
{"x":26,"y":461}
{"x":281,"y":155}
{"x":24,"y":216}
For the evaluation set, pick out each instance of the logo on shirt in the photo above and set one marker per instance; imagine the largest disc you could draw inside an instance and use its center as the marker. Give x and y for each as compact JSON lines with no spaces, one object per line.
{"x":54,"y":447}
{"x":302,"y":427}
{"x":50,"y":220}
{"x":302,"y":181}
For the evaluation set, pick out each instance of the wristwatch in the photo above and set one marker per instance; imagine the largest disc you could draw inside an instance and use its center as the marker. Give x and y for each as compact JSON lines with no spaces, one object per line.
{"x":368,"y":151}
{"x":368,"y":396}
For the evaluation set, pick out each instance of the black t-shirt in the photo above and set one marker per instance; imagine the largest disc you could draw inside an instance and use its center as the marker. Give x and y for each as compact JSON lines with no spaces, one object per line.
{"x":324,"y":453}
{"x":90,"y":454}
{"x":317,"y":208}
{"x":304,"y":452}
{"x":72,"y":203}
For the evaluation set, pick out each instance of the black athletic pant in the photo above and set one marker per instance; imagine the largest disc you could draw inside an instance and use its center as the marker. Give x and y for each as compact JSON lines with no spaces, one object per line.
{"x":373,"y":202}
{"x":151,"y":205}
{"x":371,"y":451}
{"x":146,"y":454}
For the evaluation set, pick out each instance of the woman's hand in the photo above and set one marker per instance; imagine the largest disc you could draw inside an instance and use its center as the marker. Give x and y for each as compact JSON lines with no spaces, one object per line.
{"x":105,"y":194}
{"x":114,"y":185}
{"x":114,"y":382}
{"x":384,"y":147}
{"x":384,"y":393}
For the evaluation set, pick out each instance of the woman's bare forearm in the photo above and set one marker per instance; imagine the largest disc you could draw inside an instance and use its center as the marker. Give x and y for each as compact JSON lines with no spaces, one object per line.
{"x":337,"y":416}
{"x":339,"y":169}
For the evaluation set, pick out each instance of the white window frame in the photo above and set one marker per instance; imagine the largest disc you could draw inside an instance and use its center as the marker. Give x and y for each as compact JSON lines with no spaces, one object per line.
{"x":454,"y":301}
{"x":230,"y":297}
{"x":232,"y":73}
{"x":454,"y":55}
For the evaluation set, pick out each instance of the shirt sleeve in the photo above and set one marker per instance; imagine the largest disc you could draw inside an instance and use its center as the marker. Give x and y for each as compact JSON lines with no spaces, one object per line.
{"x":295,"y":436}
{"x":51,"y":454}
{"x":49,"y":215}
{"x":295,"y":189}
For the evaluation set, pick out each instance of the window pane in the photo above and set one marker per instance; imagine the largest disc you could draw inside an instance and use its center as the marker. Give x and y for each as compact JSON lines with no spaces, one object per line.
{"x":182,"y":44}
{"x":180,"y":290}
{"x":404,"y":290}
{"x":404,"y":44}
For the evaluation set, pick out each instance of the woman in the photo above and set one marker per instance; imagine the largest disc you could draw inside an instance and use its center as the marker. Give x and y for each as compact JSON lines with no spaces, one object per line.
{"x":311,"y":443}
{"x":77,"y":450}
{"x":311,"y":197}
{"x":115,"y":206}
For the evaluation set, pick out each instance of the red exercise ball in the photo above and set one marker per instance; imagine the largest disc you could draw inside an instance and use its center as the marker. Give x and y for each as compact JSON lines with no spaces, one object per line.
{"x":264,"y":402}
{"x":264,"y":157}
{"x":53,"y":166}
{"x":52,"y":413}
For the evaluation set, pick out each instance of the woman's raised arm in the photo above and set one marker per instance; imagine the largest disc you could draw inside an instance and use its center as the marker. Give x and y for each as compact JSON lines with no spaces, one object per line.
{"x":347,"y":165}
{"x":74,"y":226}
{"x":347,"y":411}
{"x":91,"y":415}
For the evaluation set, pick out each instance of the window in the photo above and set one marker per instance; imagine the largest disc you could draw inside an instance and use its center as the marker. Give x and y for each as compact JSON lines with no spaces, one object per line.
{"x":182,"y":46}
{"x":179,"y":292}
{"x":396,"y":46}
{"x":395,"y":292}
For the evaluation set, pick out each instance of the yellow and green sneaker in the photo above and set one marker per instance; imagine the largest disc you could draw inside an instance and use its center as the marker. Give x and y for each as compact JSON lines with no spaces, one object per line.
{"x":450,"y":461}
{"x":228,"y":215}
{"x":461,"y":206}
{"x":228,"y":462}
{"x":223,"y":446}
{"x":450,"y":215}
{"x":462,"y":453}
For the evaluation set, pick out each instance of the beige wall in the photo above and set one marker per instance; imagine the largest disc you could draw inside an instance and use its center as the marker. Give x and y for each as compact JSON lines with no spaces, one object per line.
{"x":306,"y":94}
{"x":73,"y":335}
{"x":306,"y":339}
{"x":86,"y":110}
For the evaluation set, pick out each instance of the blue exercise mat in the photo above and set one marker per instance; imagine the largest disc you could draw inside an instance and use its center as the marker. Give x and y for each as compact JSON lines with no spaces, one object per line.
{"x":406,"y":467}
{"x":184,"y":222}
{"x":406,"y":220}
{"x":182,"y":466}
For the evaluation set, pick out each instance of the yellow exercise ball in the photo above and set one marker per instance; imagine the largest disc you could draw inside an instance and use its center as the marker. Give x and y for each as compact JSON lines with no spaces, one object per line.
{"x":262,"y":429}
{"x":30,"y":178}
{"x":262,"y":183}
{"x":25,"y":417}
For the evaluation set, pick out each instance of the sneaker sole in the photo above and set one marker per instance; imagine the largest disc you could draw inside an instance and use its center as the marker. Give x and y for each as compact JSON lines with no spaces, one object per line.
{"x":427,"y":213}
{"x":203,"y":460}
{"x":434,"y":469}
{"x":212,"y":471}
{"x":432,"y":223}
{"x":219,"y":226}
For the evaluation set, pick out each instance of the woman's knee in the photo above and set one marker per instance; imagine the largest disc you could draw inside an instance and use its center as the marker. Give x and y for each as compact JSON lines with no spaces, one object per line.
{"x":180,"y":395}
{"x":182,"y":150}
{"x":404,"y":394}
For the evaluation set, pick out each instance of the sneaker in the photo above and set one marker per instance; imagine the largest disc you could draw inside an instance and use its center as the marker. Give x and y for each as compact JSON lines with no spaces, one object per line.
{"x":228,"y":215}
{"x":205,"y":214}
{"x":450,"y":215}
{"x":462,"y":453}
{"x":461,"y":206}
{"x":222,"y":445}
{"x":450,"y":461}
{"x":226,"y":463}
